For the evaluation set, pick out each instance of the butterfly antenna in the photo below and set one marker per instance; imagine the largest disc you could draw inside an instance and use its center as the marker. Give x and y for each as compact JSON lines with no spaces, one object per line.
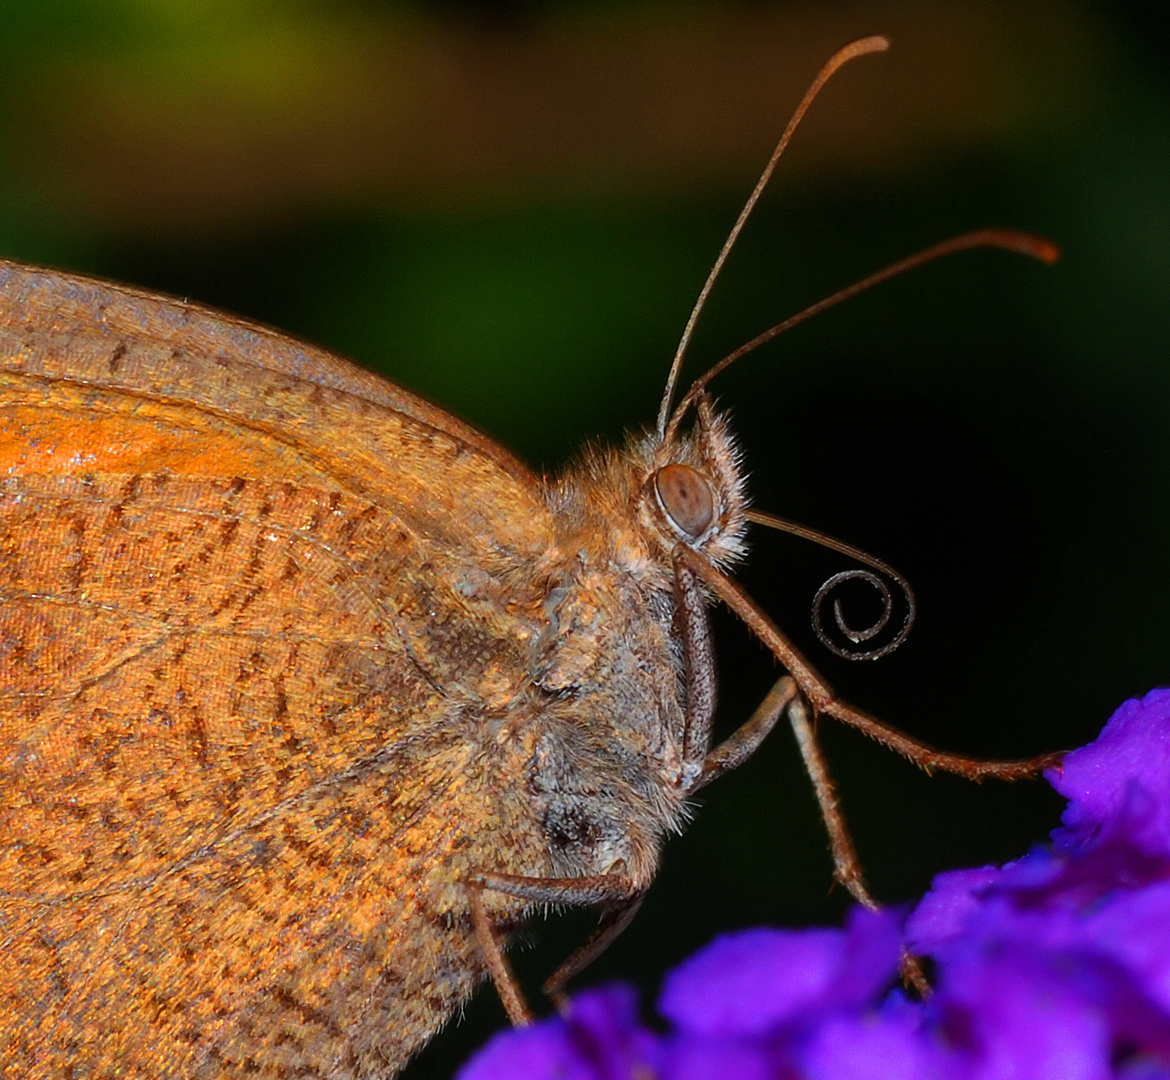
{"x":842,"y":56}
{"x":1009,"y":239}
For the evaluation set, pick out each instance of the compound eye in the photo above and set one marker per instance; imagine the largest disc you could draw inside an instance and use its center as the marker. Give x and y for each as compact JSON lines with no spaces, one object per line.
{"x":685,"y":496}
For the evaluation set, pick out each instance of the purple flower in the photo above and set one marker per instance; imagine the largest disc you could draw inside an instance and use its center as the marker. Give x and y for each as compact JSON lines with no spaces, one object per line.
{"x":1053,"y":967}
{"x":758,"y":982}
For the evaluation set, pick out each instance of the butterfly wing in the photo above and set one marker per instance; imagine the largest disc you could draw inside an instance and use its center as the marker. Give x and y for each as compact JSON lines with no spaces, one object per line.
{"x":249,"y":630}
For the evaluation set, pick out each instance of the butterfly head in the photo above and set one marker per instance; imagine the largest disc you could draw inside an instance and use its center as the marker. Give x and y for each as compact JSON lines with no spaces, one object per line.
{"x":694,"y":491}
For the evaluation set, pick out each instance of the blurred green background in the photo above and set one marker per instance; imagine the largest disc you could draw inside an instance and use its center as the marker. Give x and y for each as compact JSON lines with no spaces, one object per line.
{"x":509,"y":207}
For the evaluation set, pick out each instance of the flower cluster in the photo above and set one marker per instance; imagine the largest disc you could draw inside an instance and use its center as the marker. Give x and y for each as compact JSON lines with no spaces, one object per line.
{"x":1054,"y":967}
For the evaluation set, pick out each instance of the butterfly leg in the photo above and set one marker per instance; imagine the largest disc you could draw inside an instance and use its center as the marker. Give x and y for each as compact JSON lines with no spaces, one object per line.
{"x":612,"y":925}
{"x":748,"y":737}
{"x":846,"y":865}
{"x":823,"y":699}
{"x":738,"y":747}
{"x":699,"y":655}
{"x":615,"y":892}
{"x":746,"y":740}
{"x":497,"y":964}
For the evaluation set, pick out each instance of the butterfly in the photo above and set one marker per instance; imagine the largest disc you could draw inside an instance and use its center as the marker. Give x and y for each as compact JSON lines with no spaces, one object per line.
{"x":311,"y":694}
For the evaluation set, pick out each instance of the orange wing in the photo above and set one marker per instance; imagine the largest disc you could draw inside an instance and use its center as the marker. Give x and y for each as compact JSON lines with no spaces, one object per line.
{"x":248,"y":638}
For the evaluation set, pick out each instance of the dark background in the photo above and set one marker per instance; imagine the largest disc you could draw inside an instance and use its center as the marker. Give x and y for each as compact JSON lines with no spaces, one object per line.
{"x":510,"y":208}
